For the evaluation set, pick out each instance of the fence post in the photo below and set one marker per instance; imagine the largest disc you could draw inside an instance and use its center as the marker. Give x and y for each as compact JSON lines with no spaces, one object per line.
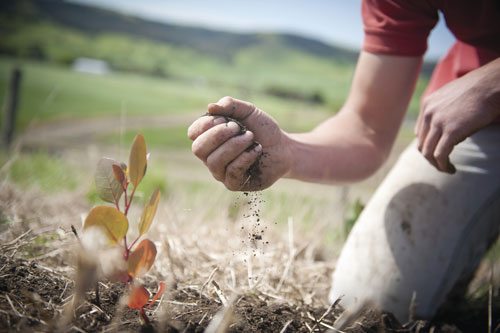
{"x":10,"y":107}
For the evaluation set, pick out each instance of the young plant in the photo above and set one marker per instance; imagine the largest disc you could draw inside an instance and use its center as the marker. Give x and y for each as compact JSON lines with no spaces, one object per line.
{"x":114,"y":180}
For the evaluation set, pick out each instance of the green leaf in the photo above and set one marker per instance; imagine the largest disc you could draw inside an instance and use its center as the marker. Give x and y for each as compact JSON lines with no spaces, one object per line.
{"x":113,"y":222}
{"x":137,"y":160}
{"x":138,"y":298}
{"x":108,"y":188}
{"x":142,"y":258}
{"x":149,"y":212}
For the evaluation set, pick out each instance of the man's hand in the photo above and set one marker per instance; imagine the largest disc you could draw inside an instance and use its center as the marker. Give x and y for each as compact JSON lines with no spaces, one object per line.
{"x":456,"y":111}
{"x":242,"y":146}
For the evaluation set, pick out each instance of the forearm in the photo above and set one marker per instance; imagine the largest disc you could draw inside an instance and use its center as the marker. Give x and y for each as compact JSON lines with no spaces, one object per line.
{"x":352,"y":145}
{"x":491,"y":83}
{"x":341,"y":150}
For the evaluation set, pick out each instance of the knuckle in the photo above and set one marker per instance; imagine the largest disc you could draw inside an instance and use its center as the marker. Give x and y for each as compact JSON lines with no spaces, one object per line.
{"x":226,"y":101}
{"x":428,"y":155}
{"x":196,"y":149}
{"x":232,"y":173}
{"x":252,"y":107}
{"x":439,"y":155}
{"x":193,"y":130}
{"x":212,"y":164}
{"x":428,"y":116}
{"x":190,"y":132}
{"x":218,"y":176}
{"x":231,"y":185}
{"x":452,"y":132}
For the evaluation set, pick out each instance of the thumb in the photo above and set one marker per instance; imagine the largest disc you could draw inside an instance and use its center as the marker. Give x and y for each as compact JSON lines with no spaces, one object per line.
{"x":231,"y":107}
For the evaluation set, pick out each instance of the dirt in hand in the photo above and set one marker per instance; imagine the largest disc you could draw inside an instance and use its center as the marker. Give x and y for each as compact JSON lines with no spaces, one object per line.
{"x":253,"y":174}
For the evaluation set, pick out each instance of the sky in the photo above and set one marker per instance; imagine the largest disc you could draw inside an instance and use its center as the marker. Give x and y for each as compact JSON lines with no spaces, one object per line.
{"x":336,"y":22}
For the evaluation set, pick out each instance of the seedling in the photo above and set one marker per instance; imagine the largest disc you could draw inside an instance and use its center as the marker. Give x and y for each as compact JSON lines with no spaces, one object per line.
{"x":113,"y":180}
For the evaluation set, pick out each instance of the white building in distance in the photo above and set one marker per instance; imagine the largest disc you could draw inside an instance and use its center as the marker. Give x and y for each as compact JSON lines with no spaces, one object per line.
{"x":92,"y":66}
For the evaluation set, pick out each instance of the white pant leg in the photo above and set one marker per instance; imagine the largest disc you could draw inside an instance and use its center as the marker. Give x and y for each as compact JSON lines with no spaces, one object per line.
{"x":423,"y":230}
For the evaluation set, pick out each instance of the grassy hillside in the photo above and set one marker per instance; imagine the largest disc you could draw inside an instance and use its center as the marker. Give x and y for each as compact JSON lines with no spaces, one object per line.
{"x":50,"y":91}
{"x":161,"y":68}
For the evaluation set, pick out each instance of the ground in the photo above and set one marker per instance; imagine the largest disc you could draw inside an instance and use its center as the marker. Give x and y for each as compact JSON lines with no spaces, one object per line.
{"x":234,"y":272}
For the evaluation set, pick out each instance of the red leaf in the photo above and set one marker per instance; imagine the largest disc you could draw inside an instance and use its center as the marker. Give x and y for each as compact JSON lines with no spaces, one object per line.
{"x":138,"y":298}
{"x":158,"y":294}
{"x":119,"y":174}
{"x":142,"y":258}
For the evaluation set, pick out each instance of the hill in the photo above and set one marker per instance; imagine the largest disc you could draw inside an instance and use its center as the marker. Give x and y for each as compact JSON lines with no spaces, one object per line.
{"x":95,"y":21}
{"x":281,"y":66}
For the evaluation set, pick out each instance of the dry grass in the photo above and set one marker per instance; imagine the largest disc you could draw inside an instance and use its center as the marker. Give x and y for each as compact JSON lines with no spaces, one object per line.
{"x":220,"y":260}
{"x":214,"y":270}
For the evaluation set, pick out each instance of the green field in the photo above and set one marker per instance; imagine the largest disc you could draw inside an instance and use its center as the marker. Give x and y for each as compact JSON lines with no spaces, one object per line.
{"x":51,"y":91}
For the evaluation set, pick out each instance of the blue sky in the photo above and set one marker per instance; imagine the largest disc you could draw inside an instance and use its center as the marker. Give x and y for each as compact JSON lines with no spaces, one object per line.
{"x":333,"y":21}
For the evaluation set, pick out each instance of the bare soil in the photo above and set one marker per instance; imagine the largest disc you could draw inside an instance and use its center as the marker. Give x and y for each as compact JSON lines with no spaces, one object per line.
{"x":36,"y":293}
{"x":33,"y":299}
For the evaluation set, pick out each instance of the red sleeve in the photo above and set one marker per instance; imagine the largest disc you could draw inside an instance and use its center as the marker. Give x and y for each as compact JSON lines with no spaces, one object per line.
{"x":397,"y":27}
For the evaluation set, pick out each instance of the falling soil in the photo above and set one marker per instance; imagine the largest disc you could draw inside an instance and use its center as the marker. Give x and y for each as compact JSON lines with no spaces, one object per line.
{"x":252,"y":218}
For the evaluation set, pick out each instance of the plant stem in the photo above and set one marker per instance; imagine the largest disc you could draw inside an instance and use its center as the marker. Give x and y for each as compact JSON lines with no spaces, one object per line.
{"x":144,"y":317}
{"x":133,"y":243}
{"x":97,"y":297}
{"x":125,"y":196}
{"x":130,"y":201}
{"x":127,"y":250}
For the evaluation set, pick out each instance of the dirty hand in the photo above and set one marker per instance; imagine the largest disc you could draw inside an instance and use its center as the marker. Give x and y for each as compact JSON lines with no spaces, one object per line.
{"x":456,"y":111}
{"x":242,"y":146}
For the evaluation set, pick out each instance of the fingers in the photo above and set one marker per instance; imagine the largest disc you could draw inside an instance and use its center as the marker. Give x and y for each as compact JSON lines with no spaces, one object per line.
{"x":227,"y":152}
{"x":203,"y":124}
{"x":416,"y":130}
{"x":423,"y":128}
{"x":212,"y":138}
{"x":236,"y":177}
{"x":232,"y":107}
{"x":435,"y":145}
{"x":442,"y":154}
{"x":428,"y":145}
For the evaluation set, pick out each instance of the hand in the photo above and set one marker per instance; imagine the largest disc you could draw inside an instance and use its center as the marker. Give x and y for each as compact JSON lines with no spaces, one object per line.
{"x":456,"y":111}
{"x":242,"y":146}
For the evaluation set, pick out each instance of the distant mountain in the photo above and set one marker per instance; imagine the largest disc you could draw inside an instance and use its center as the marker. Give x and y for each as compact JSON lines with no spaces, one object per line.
{"x":92,"y":20}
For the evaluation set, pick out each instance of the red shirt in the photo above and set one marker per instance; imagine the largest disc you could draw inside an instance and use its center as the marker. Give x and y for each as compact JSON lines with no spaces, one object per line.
{"x":401,"y":27}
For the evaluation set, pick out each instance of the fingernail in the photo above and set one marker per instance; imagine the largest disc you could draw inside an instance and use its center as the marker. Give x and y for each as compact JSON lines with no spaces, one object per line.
{"x":254,"y":146}
{"x":451,"y":168}
{"x":219,"y":120}
{"x":232,"y":124}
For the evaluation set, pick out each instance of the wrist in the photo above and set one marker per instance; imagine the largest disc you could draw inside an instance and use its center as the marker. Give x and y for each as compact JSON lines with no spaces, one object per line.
{"x":490,"y":84}
{"x":298,"y":152}
{"x":287,"y":143}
